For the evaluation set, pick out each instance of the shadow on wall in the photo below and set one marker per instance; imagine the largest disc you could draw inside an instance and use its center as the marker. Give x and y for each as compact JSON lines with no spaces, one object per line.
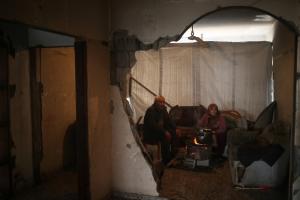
{"x":70,"y":148}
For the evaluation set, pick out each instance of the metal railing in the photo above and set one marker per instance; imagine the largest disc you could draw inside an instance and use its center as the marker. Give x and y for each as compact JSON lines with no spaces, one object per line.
{"x":144,"y":87}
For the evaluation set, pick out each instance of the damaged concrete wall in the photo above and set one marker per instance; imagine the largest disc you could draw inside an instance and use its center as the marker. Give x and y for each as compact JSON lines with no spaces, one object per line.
{"x":82,"y":18}
{"x":20,"y":118}
{"x":131,"y":172}
{"x":99,"y":120}
{"x":283,"y":67}
{"x":58,"y":104}
{"x":151,"y":19}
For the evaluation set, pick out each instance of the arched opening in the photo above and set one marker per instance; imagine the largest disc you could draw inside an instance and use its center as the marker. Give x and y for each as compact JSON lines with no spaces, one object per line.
{"x":243,"y":71}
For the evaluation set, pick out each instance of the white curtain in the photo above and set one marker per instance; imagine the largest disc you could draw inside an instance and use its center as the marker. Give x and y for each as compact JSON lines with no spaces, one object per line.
{"x":253,"y":78}
{"x":232,"y":75}
{"x":177,"y":75}
{"x":214,"y":68}
{"x":146,"y":71}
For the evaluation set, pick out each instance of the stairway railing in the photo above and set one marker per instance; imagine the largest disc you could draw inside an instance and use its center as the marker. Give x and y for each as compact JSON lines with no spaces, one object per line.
{"x":144,"y":87}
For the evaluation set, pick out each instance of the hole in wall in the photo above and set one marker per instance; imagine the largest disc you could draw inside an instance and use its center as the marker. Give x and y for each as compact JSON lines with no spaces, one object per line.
{"x":268,"y":30}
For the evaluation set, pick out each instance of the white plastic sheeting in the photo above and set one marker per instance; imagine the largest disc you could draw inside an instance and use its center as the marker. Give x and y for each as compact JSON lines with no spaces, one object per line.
{"x":233,"y":75}
{"x":147,"y":71}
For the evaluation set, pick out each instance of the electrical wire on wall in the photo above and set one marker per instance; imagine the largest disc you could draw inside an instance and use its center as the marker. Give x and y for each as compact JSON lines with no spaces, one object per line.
{"x":40,"y":85}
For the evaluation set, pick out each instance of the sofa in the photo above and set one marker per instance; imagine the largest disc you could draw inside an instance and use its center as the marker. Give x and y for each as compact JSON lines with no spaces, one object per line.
{"x":265,"y":139}
{"x":186,"y":117}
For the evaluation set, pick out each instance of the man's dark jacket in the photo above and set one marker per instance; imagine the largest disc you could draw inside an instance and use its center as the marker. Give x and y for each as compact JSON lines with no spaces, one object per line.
{"x":156,"y":123}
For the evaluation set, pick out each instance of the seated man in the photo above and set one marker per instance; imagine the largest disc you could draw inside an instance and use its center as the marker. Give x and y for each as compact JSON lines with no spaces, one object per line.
{"x":158,"y":128}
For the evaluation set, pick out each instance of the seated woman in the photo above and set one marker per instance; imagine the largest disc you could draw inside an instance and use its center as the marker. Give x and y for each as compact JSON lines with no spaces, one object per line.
{"x":213,"y":120}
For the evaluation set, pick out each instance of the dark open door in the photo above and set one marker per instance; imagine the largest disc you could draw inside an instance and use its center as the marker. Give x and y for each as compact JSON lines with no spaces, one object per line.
{"x":5,"y":139}
{"x":81,"y":117}
{"x":82,"y":120}
{"x":36,"y":114}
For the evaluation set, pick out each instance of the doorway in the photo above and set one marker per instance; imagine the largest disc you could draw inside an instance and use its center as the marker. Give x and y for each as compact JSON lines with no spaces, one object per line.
{"x":55,"y":78}
{"x":5,"y":141}
{"x":47,"y":95}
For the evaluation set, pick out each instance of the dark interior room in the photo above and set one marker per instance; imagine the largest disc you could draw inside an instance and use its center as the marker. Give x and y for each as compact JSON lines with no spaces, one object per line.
{"x":166,"y":100}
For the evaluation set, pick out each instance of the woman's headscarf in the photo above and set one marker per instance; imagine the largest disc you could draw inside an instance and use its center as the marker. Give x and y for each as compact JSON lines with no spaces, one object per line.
{"x":211,"y":106}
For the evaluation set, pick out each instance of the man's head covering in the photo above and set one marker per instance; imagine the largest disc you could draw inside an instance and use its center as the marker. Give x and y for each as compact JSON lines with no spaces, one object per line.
{"x":159,"y":99}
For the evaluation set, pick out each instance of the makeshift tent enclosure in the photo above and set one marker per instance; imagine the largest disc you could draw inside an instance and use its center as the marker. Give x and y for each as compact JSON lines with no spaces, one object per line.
{"x":233,"y":75}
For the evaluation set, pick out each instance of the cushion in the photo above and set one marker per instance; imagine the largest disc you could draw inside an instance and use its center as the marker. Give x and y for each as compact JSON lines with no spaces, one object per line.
{"x":232,"y":118}
{"x":186,"y":116}
{"x":267,"y":134}
{"x":175,"y":113}
{"x":275,"y":133}
{"x":265,"y":117}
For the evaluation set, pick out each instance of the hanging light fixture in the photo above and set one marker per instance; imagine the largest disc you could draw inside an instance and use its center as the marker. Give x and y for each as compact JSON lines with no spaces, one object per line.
{"x":197,"y":39}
